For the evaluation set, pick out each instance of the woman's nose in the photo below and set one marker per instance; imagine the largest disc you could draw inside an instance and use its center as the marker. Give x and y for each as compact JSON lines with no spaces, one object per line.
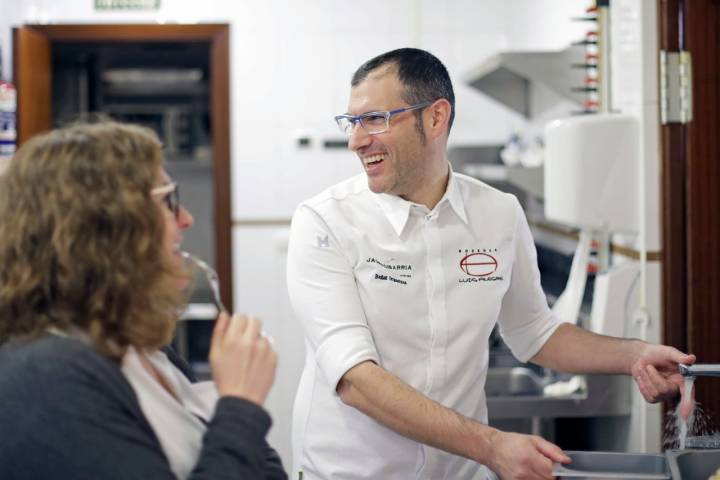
{"x":185,"y":219}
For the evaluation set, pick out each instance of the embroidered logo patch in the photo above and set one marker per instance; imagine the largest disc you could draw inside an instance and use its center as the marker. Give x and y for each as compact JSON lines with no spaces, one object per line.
{"x":323,"y":242}
{"x":391,"y":271}
{"x":479,"y":265}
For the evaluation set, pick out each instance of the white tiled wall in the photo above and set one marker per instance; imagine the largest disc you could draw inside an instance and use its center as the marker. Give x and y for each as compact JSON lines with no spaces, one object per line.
{"x":533,"y":25}
{"x":292,"y":61}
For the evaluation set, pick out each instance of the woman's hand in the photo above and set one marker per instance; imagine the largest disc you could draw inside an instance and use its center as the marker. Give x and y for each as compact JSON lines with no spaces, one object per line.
{"x":242,"y":359}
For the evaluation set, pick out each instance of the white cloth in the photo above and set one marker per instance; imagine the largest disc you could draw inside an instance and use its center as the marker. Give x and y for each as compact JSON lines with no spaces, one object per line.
{"x":181,"y":425}
{"x":374,"y":277}
{"x":567,"y":306}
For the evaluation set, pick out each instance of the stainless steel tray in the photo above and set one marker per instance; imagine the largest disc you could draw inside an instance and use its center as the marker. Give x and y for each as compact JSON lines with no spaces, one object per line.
{"x":613,"y":465}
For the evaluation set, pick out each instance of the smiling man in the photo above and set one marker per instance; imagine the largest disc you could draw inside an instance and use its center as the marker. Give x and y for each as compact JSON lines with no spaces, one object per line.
{"x":399,"y":275}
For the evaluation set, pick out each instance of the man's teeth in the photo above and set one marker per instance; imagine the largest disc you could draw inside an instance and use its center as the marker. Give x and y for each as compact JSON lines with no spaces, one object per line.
{"x":374,"y":159}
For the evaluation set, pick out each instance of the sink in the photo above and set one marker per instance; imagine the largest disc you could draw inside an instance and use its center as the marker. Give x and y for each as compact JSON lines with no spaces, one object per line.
{"x":516,"y":381}
{"x":703,"y":442}
{"x":613,"y":465}
{"x":674,"y":464}
{"x":693,"y":464}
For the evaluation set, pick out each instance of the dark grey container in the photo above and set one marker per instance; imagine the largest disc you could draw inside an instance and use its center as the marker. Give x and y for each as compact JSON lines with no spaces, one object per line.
{"x":614,"y":465}
{"x":693,"y":464}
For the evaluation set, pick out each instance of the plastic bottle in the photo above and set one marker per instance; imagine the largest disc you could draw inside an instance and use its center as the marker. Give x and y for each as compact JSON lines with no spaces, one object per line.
{"x":8,"y":133}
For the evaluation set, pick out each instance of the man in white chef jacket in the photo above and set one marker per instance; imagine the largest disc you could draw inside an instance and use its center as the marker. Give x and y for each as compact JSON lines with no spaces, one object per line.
{"x":399,"y":275}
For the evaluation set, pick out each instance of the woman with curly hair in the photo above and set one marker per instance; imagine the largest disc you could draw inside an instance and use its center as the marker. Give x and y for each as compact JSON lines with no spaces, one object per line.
{"x":91,"y":285}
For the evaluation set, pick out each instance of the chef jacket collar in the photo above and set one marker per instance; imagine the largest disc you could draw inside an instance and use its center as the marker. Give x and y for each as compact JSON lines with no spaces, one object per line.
{"x":397,"y":210}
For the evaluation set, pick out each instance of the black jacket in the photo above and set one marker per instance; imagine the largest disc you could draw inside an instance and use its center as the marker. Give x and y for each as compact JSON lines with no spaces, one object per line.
{"x":67,"y":412}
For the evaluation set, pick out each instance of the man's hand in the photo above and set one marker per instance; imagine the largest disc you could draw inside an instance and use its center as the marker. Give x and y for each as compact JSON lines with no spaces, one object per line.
{"x":384,"y":397}
{"x":519,"y":457}
{"x":654,"y":367}
{"x":656,"y":372}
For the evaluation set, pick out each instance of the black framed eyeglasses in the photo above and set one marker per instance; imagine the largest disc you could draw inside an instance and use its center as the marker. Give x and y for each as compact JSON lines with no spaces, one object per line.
{"x":170,"y":195}
{"x":373,"y":122}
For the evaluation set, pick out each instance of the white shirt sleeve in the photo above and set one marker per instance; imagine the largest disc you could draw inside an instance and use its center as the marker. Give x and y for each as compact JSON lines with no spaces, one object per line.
{"x":324,"y":295}
{"x":526,"y":321}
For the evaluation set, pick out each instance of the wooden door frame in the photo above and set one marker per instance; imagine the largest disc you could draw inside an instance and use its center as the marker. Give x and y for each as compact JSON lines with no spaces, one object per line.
{"x":691,"y":193}
{"x":32,"y":77}
{"x":673,"y":201}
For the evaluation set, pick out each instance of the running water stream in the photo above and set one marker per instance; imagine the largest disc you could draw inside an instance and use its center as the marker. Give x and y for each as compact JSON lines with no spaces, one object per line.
{"x":683,"y":422}
{"x":688,"y":426}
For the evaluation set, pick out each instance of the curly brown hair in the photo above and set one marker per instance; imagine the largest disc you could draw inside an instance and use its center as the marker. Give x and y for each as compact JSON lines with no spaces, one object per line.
{"x":81,"y":240}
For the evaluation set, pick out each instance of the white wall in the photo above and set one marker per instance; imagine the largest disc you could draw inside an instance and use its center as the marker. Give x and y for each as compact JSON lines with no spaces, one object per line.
{"x":533,"y":25}
{"x":634,"y":86}
{"x":291,"y":66}
{"x":9,"y":16}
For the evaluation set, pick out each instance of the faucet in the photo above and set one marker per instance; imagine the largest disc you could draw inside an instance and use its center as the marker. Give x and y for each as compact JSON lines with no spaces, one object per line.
{"x":700,"y":370}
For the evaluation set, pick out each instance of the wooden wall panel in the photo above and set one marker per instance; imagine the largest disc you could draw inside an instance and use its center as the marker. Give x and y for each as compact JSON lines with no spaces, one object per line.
{"x":220,"y":114}
{"x":703,"y":193}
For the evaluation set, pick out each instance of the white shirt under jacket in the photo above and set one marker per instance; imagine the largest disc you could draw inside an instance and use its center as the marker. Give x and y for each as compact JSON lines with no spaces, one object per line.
{"x":375,"y":277}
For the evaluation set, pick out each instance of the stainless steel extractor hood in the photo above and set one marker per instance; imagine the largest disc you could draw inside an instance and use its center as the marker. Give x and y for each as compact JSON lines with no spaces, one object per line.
{"x":506,"y":76}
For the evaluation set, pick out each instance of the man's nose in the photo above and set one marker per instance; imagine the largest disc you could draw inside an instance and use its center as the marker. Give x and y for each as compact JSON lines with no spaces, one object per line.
{"x":358,"y":138}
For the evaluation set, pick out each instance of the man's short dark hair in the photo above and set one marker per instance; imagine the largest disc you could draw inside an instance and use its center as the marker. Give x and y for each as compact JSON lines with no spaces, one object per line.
{"x":424,"y":76}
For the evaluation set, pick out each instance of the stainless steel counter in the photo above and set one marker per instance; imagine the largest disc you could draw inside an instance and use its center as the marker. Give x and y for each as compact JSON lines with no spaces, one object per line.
{"x":605,"y":395}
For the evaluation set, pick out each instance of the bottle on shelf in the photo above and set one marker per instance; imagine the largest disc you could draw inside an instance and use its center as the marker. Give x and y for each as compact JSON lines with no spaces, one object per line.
{"x":592,"y":61}
{"x":8,"y":133}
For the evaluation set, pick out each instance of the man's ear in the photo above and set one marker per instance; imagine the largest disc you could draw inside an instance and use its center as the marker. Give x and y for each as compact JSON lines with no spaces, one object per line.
{"x":438,"y":117}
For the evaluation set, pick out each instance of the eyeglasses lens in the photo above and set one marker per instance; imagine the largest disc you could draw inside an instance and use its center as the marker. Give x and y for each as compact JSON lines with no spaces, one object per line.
{"x":345,"y":125}
{"x":172,"y":200}
{"x":372,"y":123}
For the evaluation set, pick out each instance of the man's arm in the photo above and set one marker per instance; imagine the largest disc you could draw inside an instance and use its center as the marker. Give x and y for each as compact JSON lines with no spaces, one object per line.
{"x":654,"y":367}
{"x":384,"y":397}
{"x":531,"y":331}
{"x":324,"y":294}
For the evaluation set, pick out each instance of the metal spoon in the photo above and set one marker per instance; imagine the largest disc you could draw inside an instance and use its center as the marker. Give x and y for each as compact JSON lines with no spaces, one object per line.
{"x":212,"y":278}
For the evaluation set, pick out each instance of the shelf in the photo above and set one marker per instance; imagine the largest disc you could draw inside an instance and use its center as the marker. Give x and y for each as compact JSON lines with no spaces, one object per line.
{"x":139,"y":107}
{"x":186,"y":162}
{"x":529,"y":179}
{"x":491,"y":172}
{"x":200,"y":311}
{"x":157,"y":90}
{"x":507,"y":76}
